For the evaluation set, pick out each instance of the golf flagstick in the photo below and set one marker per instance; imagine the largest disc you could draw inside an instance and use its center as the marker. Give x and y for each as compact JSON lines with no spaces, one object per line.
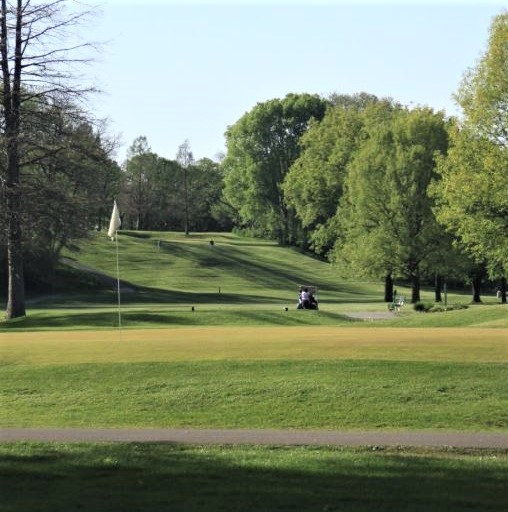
{"x":114,"y":224}
{"x":118,"y":288}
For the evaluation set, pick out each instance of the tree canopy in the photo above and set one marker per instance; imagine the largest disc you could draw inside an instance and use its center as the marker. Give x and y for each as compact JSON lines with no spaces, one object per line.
{"x":314,"y":184}
{"x":472,"y":201}
{"x":261,"y":147}
{"x":385,"y":217}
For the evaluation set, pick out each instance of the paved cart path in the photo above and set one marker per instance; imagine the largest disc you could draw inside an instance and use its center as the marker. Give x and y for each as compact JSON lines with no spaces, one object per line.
{"x":436,"y":439}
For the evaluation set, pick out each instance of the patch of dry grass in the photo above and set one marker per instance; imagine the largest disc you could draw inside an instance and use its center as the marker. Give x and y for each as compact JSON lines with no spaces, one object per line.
{"x":255,"y":343}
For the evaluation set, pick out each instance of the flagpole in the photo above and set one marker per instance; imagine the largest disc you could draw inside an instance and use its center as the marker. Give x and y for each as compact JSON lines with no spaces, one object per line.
{"x":118,"y":288}
{"x":114,"y":224}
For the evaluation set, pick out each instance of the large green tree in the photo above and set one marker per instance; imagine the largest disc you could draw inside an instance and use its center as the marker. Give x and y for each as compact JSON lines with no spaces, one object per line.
{"x":207,"y":181}
{"x":385,"y":218}
{"x":66,"y":192}
{"x":472,"y":199}
{"x":67,"y":181}
{"x":314,"y":184}
{"x":34,"y":69}
{"x":261,"y":147}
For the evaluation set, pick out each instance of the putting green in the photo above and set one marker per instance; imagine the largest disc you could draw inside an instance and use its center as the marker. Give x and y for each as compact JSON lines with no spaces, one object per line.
{"x":248,"y":343}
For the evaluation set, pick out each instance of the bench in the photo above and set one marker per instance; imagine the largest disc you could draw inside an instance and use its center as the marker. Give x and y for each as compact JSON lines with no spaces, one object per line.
{"x":397,"y":304}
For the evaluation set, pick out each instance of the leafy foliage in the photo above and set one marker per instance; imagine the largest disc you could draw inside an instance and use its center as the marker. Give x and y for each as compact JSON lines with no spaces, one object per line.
{"x":387,"y":225}
{"x":177,"y":195}
{"x":471,"y":196}
{"x":262,"y":145}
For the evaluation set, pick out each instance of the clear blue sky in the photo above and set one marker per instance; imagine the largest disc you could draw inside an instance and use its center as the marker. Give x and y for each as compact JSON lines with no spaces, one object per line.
{"x":186,"y":70}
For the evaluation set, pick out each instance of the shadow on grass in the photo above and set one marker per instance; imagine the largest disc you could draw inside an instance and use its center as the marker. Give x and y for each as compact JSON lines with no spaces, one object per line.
{"x":144,"y":318}
{"x":154,"y":477}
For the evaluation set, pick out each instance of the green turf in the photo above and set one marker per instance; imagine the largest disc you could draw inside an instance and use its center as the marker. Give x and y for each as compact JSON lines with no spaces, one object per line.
{"x":87,"y":317}
{"x":241,"y":282}
{"x":259,"y":394}
{"x":147,"y":477}
{"x":237,"y":281}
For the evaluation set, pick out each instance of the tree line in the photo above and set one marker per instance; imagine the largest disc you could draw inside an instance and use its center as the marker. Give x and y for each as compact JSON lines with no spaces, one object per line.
{"x":380,"y":189}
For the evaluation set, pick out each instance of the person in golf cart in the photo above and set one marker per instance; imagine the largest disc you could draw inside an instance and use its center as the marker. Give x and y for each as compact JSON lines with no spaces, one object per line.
{"x":307,"y":298}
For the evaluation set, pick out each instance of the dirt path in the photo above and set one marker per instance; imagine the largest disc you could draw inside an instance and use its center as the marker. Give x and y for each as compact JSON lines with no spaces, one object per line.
{"x":495,"y":440}
{"x":372,"y":315}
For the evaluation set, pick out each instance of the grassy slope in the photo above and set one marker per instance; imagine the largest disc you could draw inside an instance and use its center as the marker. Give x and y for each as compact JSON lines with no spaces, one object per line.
{"x":237,"y":281}
{"x":245,"y":270}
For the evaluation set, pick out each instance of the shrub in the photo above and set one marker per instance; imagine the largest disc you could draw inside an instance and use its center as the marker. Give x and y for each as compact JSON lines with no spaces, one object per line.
{"x":437,"y":308}
{"x":422,"y":306}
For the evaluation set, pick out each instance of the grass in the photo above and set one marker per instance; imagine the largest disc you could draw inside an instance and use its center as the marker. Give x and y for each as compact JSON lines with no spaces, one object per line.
{"x":85,"y":317}
{"x":335,"y":395}
{"x":257,"y":377}
{"x":148,"y":477}
{"x":456,"y":345}
{"x":240,"y":360}
{"x":237,"y":281}
{"x":359,"y":395}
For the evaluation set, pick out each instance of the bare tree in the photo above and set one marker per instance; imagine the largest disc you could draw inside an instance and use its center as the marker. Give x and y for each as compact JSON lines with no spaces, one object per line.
{"x":37,"y":65}
{"x":185,"y":158}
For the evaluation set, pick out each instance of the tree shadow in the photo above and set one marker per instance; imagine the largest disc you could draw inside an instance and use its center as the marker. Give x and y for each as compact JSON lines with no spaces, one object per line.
{"x":83,"y":318}
{"x":155,"y":477}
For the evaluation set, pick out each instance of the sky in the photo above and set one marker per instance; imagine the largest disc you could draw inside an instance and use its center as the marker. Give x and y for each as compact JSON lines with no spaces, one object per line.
{"x":173,"y":71}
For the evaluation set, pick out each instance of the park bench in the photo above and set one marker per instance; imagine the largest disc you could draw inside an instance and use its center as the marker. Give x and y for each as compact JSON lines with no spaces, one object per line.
{"x":397,"y":303}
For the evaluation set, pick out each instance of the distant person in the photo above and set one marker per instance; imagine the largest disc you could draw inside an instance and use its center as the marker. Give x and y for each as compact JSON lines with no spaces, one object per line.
{"x":299,"y":305}
{"x":305,"y":298}
{"x":313,"y":304}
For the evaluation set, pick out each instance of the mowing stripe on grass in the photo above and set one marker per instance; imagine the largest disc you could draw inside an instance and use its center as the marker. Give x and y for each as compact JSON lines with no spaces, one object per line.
{"x":317,"y":394}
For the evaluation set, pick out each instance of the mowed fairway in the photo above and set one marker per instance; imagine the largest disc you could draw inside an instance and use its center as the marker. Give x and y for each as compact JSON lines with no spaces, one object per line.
{"x":241,"y":361}
{"x":258,"y":377}
{"x":254,"y":343}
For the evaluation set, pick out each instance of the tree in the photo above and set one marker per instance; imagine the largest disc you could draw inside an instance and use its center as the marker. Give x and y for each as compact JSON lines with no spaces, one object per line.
{"x":167,"y":205}
{"x":471,"y":197}
{"x":385,"y":217}
{"x":206,"y":192}
{"x":33,"y":74}
{"x":68,"y":191}
{"x":314,"y":184}
{"x":261,"y":147}
{"x":185,"y":158}
{"x":140,"y":167}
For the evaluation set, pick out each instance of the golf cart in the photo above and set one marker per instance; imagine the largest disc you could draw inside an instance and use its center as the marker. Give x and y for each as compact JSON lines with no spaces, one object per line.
{"x":307,"y":297}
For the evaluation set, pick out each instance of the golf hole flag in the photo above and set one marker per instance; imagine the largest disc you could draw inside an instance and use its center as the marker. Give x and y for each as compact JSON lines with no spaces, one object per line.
{"x":115,"y":222}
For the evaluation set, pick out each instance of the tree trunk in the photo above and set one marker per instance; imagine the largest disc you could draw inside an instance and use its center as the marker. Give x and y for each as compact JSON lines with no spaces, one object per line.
{"x":388,"y":288}
{"x":502,"y":289}
{"x":11,"y":106}
{"x":16,"y":281}
{"x":186,"y":192}
{"x":476,"y":286}
{"x":415,"y":288}
{"x":438,"y":288}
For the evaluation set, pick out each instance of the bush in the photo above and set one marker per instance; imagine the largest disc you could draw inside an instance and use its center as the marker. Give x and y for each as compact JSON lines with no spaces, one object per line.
{"x":422,"y":306}
{"x":427,"y":307}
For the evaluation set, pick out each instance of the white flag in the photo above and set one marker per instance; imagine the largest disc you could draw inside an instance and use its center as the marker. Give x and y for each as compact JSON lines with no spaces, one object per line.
{"x":115,"y":222}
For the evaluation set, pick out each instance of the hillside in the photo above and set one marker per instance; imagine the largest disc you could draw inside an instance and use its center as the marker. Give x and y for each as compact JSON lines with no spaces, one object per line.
{"x":191,"y":269}
{"x":169,"y":279}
